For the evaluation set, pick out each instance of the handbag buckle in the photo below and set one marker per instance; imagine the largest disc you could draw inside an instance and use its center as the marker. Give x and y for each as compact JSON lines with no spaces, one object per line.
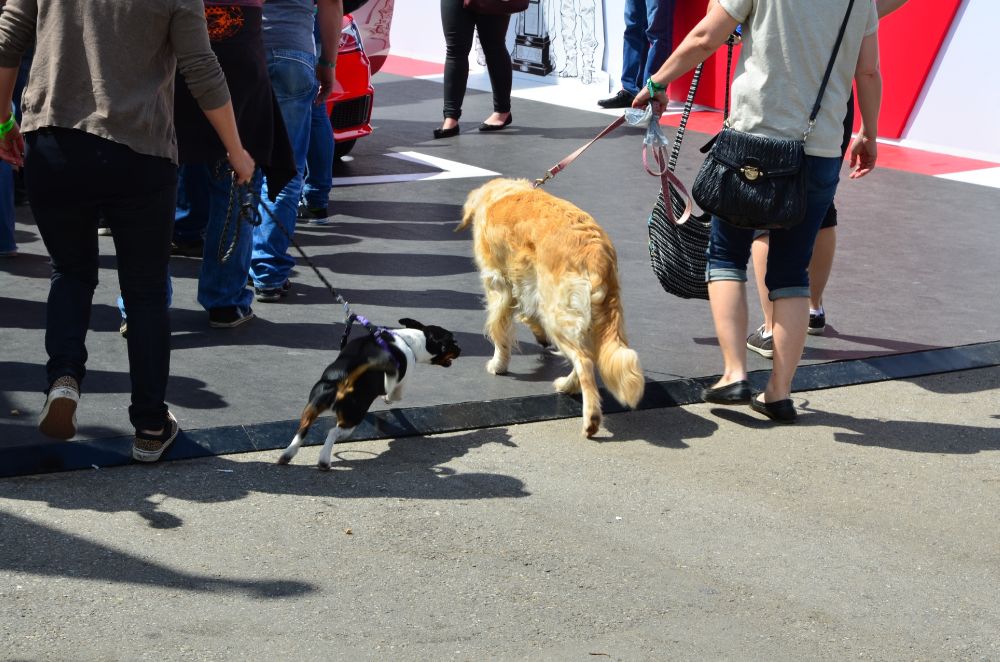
{"x":750,"y":172}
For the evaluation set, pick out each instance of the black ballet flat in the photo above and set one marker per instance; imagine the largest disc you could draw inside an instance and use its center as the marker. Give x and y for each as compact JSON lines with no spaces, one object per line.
{"x":782,"y":411}
{"x":497,"y":127}
{"x":737,"y":393}
{"x":446,"y":133}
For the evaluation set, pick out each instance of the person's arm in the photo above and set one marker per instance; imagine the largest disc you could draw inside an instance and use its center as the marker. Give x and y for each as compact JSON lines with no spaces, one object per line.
{"x":330,"y":16}
{"x":868,"y":82}
{"x":12,"y":143}
{"x":203,"y":76}
{"x":886,"y":7}
{"x":703,"y":40}
{"x":17,"y":31}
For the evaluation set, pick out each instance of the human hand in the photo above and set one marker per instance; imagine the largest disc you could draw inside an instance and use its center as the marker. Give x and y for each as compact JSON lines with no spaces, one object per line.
{"x":326,"y":75}
{"x":12,"y":147}
{"x":864,"y":153}
{"x":243,"y":166}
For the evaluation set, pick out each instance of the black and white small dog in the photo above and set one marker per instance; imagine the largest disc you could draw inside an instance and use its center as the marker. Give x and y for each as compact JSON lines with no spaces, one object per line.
{"x":364,"y":370}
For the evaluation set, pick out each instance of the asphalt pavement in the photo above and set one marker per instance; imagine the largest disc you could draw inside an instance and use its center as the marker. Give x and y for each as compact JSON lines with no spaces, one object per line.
{"x":865,"y":531}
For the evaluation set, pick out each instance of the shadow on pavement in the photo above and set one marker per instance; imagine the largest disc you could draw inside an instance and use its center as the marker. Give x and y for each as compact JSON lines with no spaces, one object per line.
{"x":39,"y":550}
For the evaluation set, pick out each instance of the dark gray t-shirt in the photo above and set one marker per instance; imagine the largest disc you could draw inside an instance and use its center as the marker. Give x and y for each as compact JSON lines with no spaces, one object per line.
{"x":289,"y":24}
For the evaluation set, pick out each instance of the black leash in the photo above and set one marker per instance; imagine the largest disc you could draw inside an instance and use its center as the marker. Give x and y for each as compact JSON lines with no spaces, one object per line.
{"x":249,"y":211}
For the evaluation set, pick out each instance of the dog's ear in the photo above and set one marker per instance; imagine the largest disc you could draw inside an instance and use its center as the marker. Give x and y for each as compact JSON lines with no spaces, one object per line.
{"x":411,"y":324}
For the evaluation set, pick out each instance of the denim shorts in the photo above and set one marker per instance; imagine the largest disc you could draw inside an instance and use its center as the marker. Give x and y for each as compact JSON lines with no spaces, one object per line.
{"x":790,"y":249}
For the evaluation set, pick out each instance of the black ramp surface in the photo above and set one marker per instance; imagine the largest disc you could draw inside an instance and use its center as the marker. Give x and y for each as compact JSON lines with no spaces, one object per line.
{"x":915,"y":271}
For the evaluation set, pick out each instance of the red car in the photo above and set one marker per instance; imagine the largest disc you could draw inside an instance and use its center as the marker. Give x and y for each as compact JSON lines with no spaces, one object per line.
{"x":350,"y":104}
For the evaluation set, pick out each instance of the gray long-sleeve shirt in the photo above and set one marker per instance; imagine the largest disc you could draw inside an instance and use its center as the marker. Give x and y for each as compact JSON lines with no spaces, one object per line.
{"x":107,"y":66}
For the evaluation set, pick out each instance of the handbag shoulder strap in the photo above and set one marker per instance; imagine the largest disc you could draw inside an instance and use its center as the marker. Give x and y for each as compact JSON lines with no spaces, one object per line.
{"x":829,"y":68}
{"x":826,"y":75}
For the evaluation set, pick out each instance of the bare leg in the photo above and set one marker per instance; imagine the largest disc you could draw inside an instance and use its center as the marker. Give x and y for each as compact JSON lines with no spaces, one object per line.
{"x":791,"y":318}
{"x":759,"y":252}
{"x":821,"y":265}
{"x":729,"y":312}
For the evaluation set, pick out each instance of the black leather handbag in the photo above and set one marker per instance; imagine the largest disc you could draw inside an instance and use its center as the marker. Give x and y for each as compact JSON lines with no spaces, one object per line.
{"x":678,"y":251}
{"x":757,"y":182}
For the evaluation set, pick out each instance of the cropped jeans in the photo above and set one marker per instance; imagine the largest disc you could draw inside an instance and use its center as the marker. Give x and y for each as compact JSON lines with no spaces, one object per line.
{"x":293,"y":78}
{"x":790,"y":249}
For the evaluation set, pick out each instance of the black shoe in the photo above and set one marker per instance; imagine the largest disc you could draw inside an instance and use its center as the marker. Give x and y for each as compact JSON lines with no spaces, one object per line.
{"x":446,"y":133}
{"x":227,"y":317}
{"x":817,"y":323}
{"x":497,"y":127}
{"x":782,"y":411}
{"x":187,"y":248}
{"x":623,"y":99}
{"x":737,"y":393}
{"x":272,"y":294}
{"x":312,"y":215}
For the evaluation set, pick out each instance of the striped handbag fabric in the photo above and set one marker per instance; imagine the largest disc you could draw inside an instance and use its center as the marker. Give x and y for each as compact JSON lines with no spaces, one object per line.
{"x":678,"y":253}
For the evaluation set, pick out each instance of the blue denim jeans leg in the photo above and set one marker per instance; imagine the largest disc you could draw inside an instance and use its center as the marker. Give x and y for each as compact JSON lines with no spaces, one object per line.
{"x":7,"y":242}
{"x":790,"y":249}
{"x":221,"y":283}
{"x":191,"y":215}
{"x":659,"y":34}
{"x":648,"y":40}
{"x":293,"y":78}
{"x":319,"y":160}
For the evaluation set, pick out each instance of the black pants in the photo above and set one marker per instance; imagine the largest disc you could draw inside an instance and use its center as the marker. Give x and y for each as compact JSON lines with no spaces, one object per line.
{"x":459,"y":24}
{"x":72,"y":177}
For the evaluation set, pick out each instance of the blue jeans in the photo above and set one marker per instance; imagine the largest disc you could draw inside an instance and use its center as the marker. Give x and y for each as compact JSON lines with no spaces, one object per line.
{"x":790,"y":249}
{"x":7,"y":242}
{"x":191,"y":215}
{"x":319,"y":160}
{"x":293,"y":77}
{"x":220,"y":283}
{"x":649,"y":33}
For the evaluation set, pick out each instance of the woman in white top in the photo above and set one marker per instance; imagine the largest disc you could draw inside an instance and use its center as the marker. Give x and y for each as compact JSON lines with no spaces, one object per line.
{"x":786,"y":47}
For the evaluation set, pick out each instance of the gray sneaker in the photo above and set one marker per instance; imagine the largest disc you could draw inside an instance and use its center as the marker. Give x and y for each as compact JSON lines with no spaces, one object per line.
{"x":758,"y":342}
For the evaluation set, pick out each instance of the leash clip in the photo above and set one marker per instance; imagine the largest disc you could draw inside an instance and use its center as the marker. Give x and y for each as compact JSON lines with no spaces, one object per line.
{"x":541,"y":180}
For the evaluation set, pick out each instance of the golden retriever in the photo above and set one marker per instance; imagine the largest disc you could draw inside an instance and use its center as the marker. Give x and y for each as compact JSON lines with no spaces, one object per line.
{"x":549,"y":262}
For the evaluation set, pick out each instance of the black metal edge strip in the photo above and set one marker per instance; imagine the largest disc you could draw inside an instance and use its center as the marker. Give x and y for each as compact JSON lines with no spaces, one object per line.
{"x":436,"y":419}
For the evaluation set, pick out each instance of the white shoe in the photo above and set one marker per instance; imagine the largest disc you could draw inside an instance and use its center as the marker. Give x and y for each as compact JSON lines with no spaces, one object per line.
{"x":58,"y":417}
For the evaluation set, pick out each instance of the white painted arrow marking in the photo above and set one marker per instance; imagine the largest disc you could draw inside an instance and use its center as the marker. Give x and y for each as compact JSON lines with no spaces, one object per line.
{"x":447,"y":170}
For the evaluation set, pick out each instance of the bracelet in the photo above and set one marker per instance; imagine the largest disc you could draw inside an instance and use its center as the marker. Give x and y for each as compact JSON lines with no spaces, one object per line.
{"x":7,"y":126}
{"x":653,"y":87}
{"x":324,"y":63}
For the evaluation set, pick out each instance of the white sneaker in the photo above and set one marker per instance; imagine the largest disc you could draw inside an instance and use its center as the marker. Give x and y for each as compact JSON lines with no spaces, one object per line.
{"x":58,"y":417}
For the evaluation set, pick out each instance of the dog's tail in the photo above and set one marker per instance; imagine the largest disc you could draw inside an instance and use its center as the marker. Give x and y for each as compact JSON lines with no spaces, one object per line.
{"x":618,"y":364}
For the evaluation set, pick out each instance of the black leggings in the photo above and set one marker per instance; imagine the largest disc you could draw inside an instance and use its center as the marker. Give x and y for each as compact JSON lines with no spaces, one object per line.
{"x":459,"y":24}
